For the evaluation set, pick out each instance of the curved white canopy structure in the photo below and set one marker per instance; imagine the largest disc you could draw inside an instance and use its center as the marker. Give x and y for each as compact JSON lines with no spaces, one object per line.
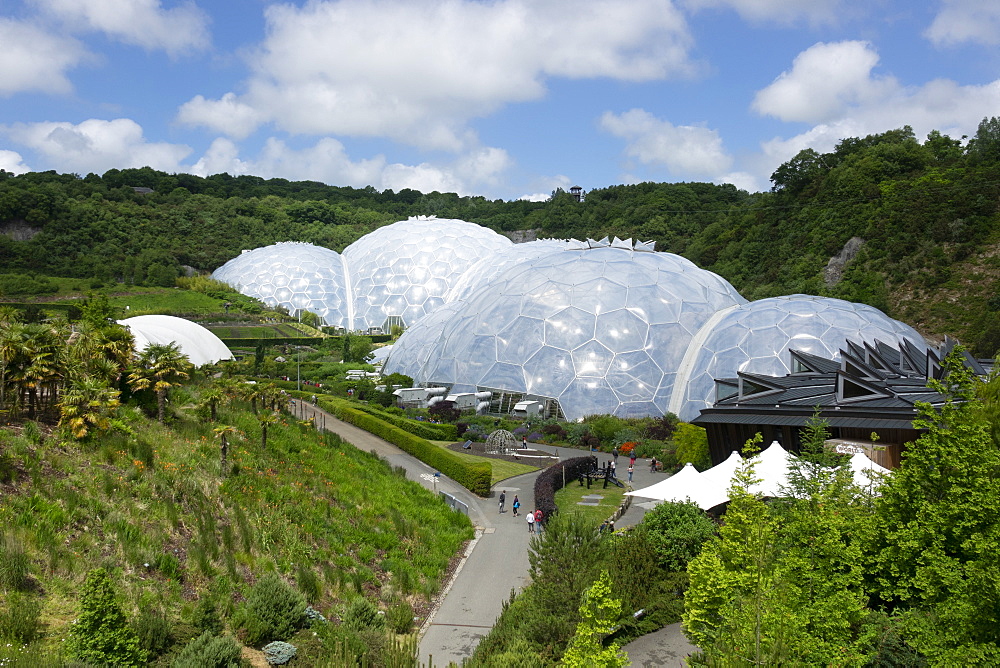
{"x":200,"y":345}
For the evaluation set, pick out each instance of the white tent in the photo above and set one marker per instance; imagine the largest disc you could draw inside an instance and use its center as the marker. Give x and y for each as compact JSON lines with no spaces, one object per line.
{"x":771,"y":468}
{"x":686,"y":484}
{"x":721,"y":475}
{"x":866,"y":472}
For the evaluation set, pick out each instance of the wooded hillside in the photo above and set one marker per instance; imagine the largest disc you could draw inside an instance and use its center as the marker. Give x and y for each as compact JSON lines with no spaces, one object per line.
{"x":924,"y":216}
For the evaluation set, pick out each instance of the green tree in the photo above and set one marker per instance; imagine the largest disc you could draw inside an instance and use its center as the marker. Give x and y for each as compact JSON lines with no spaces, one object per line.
{"x":677,"y":532}
{"x":599,"y":615}
{"x":939,"y":520}
{"x":101,"y":635}
{"x":692,"y":445}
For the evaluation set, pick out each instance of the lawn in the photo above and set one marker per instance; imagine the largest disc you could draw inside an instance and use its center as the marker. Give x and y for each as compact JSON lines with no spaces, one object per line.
{"x":255,"y":331}
{"x":568,"y":498}
{"x":502,"y":469}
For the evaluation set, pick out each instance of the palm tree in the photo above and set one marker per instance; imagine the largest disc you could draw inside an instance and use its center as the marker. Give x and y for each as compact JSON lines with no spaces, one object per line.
{"x":159,"y":367}
{"x":266,"y":420}
{"x":86,"y":404}
{"x":223,"y":433}
{"x":211,"y":397}
{"x":34,"y":363}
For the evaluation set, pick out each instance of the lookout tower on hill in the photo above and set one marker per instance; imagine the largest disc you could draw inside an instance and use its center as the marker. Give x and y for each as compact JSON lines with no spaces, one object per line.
{"x":577,"y":193}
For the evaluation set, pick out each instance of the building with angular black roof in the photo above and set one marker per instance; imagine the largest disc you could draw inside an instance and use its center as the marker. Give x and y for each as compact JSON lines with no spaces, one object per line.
{"x":871,"y":389}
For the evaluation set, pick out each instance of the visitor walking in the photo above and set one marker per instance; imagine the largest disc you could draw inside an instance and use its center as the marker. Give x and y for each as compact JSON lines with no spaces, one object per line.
{"x":515,"y":505}
{"x":630,"y":469}
{"x":614,"y":453}
{"x":531,"y":522}
{"x":538,"y":520}
{"x":612,"y":467}
{"x":652,"y":465}
{"x":503,"y":498}
{"x":524,"y":442}
{"x":631,"y":460}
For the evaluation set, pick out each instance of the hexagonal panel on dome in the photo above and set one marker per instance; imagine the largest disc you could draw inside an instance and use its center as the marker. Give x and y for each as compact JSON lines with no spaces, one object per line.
{"x":426,"y":253}
{"x":296,"y":276}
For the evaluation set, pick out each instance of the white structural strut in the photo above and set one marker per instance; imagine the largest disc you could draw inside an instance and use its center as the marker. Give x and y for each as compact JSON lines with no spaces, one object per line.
{"x":691,"y":355}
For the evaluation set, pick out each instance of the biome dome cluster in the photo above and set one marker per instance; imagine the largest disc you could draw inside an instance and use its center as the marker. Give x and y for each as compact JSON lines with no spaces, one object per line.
{"x":586,"y":327}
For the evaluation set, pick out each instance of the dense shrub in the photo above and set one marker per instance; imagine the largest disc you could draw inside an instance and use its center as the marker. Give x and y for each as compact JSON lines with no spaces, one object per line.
{"x":279,"y":653}
{"x":554,"y":430}
{"x":676,"y":532}
{"x":153,"y":630}
{"x":550,"y":481}
{"x":206,"y":617}
{"x":102,"y":635}
{"x":209,"y":651}
{"x":362,"y":614}
{"x":445,"y":410}
{"x":274,"y":611}
{"x":475,"y":477}
{"x":399,"y":617}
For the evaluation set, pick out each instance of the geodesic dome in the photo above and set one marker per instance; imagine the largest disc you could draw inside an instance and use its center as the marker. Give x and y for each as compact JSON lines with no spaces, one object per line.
{"x":199,"y":344}
{"x":756,"y":337}
{"x":403,"y":271}
{"x":490,"y":267}
{"x":297,"y":276}
{"x":600,"y":329}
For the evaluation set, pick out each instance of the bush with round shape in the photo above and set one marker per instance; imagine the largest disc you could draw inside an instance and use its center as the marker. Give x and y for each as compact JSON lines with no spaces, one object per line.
{"x":273,"y":611}
{"x":278,"y":653}
{"x":363,"y":614}
{"x":210,"y":651}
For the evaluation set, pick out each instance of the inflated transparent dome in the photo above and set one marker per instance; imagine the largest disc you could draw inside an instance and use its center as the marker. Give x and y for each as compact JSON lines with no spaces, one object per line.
{"x":297,"y":276}
{"x":403,"y":271}
{"x":602,"y":330}
{"x":756,"y":337}
{"x":490,"y":267}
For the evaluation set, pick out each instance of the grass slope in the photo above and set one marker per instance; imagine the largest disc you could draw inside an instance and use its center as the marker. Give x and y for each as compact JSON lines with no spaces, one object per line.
{"x":148,"y":503}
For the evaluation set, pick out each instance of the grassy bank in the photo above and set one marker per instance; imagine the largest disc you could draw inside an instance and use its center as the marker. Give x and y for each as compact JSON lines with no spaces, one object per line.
{"x":151,"y":505}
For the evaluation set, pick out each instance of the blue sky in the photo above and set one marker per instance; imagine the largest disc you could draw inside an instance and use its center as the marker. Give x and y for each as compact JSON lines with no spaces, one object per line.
{"x":504,"y":98}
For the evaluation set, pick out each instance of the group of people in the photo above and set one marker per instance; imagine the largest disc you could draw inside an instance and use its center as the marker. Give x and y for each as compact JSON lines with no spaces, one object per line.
{"x":533,"y":517}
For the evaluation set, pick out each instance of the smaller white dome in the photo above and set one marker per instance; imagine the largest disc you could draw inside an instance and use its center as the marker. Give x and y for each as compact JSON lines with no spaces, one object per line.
{"x":199,"y":344}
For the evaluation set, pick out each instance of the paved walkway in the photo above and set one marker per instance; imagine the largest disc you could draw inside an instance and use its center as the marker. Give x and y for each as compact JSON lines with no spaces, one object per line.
{"x":496,"y":561}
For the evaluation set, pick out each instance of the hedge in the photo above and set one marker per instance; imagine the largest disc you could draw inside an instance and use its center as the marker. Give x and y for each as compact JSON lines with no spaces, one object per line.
{"x":474,"y":477}
{"x":550,"y":481}
{"x":428,"y":430}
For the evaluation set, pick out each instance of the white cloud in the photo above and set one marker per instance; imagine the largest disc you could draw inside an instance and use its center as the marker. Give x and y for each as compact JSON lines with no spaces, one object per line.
{"x":779,"y":11}
{"x":962,"y":21}
{"x":824,"y":81}
{"x":34,"y":60}
{"x":144,"y":23}
{"x":859,"y":103}
{"x":742,"y":180}
{"x":683,"y":149}
{"x":327,"y":161}
{"x":547,"y":185}
{"x":418,"y":71}
{"x":97,"y":145}
{"x":227,"y":115}
{"x":12,"y":162}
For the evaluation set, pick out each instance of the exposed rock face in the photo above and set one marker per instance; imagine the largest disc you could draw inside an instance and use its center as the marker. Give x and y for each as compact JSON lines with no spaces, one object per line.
{"x":521,"y":236}
{"x":835,"y":267}
{"x":18,"y":230}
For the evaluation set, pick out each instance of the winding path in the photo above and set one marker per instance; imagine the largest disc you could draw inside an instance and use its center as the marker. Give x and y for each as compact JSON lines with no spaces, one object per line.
{"x":495,"y":563}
